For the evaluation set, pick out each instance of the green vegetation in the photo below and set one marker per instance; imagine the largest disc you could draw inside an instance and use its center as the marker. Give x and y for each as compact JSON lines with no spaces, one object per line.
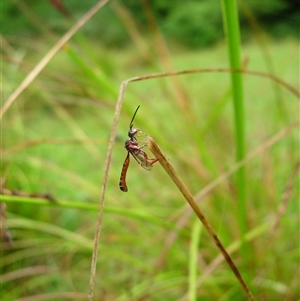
{"x":54,"y":140}
{"x":195,"y":23}
{"x":231,"y":21}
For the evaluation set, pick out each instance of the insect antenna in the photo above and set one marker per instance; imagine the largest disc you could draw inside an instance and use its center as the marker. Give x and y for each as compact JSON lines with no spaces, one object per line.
{"x":131,"y":122}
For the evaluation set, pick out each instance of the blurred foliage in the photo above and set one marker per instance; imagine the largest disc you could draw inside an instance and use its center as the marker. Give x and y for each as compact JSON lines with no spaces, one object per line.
{"x":193,"y":23}
{"x":55,"y":140}
{"x":196,"y":24}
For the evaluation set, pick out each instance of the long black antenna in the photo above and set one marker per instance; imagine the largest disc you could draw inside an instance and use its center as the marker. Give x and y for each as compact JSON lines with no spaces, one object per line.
{"x":131,"y":122}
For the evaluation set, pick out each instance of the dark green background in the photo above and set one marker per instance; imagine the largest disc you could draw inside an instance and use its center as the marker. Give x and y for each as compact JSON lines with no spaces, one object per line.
{"x":192,"y":23}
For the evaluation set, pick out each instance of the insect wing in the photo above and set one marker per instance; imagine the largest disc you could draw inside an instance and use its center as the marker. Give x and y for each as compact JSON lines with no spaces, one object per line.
{"x":122,"y":184}
{"x":141,"y":159}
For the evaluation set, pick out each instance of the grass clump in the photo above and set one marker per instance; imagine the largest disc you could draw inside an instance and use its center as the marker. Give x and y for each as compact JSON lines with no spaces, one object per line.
{"x":54,"y":140}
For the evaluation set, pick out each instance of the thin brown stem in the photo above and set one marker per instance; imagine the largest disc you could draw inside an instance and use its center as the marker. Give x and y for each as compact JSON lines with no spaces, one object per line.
{"x":103,"y":188}
{"x":154,"y":148}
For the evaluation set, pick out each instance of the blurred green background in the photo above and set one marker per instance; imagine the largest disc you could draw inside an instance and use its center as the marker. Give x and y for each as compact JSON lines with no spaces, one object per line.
{"x":192,"y":23}
{"x":55,"y":135}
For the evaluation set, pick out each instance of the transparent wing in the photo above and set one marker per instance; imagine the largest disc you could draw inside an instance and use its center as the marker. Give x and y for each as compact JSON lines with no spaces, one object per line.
{"x":142,"y":159}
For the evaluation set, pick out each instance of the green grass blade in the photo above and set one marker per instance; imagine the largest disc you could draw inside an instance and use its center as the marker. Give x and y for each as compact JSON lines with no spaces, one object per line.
{"x":230,"y":15}
{"x":193,"y":266}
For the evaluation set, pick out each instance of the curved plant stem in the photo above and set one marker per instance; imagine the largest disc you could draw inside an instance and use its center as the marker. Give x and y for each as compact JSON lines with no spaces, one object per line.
{"x":114,"y":131}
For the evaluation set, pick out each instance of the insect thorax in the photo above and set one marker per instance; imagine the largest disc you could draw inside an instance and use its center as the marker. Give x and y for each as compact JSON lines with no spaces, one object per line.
{"x":131,"y":144}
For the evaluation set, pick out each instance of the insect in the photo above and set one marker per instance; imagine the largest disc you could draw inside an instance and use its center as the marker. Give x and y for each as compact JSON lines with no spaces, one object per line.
{"x":133,"y":148}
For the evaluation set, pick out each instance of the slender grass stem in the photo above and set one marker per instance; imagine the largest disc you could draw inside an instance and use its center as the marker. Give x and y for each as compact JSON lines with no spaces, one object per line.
{"x":154,"y":148}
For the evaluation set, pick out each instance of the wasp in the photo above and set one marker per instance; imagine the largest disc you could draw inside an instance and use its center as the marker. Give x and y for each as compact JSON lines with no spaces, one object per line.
{"x":133,"y":148}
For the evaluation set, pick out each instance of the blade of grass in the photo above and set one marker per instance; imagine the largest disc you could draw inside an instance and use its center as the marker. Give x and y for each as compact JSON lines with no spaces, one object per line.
{"x":129,"y":213}
{"x":230,"y":16}
{"x":46,"y":59}
{"x":289,"y":188}
{"x":70,"y":236}
{"x":154,"y":148}
{"x":165,"y":59}
{"x":102,"y":81}
{"x":132,"y":28}
{"x":30,"y":271}
{"x":232,"y":248}
{"x":193,"y":266}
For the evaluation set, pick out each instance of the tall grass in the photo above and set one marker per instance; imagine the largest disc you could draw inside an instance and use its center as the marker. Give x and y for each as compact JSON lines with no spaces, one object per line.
{"x":55,"y":138}
{"x":231,"y":25}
